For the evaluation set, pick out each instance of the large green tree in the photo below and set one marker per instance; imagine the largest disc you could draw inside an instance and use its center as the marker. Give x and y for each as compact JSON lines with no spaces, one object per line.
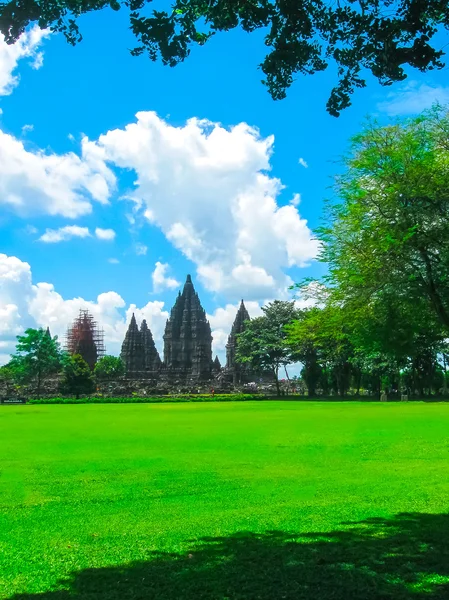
{"x":37,"y":356}
{"x":77,"y":377}
{"x":388,"y":232}
{"x":263,"y":345}
{"x":304,"y":36}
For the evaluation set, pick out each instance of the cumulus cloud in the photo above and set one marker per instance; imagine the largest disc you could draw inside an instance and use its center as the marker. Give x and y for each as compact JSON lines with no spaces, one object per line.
{"x":26,"y":47}
{"x":33,"y":182}
{"x":25,"y":304}
{"x":105,"y":234}
{"x":113,"y":261}
{"x":208,"y":189}
{"x":141,"y":249}
{"x":63,"y":234}
{"x":303,"y":163}
{"x":161,"y":281}
{"x":413,"y":98}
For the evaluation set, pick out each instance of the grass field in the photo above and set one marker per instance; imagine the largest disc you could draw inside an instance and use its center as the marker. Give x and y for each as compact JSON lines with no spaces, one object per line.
{"x":256,"y":500}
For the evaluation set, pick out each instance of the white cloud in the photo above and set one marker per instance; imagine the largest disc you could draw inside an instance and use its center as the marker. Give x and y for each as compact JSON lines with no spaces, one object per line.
{"x":52,"y":236}
{"x":24,"y":304}
{"x":10,"y":54}
{"x":208,"y":189}
{"x":27,"y":128}
{"x":160,"y":279}
{"x":113,"y":261}
{"x":303,"y":163}
{"x":413,"y":98}
{"x":141,"y":249}
{"x":105,"y":234}
{"x":33,"y":182}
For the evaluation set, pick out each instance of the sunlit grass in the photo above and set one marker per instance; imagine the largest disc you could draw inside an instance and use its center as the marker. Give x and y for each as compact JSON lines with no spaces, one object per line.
{"x":98,"y":486}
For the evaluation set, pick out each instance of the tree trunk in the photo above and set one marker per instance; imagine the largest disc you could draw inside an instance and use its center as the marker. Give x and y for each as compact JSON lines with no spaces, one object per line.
{"x":276,"y":379}
{"x":38,"y":384}
{"x":433,"y":292}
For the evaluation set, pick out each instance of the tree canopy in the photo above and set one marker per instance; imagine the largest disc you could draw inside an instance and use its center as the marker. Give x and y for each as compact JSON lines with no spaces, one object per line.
{"x":263,"y":345}
{"x":382,"y":37}
{"x":385,"y":306}
{"x":37,"y":355}
{"x":388,"y":232}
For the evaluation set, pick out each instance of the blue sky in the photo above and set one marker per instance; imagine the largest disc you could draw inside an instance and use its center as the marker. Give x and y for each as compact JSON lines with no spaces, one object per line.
{"x":218,"y":200}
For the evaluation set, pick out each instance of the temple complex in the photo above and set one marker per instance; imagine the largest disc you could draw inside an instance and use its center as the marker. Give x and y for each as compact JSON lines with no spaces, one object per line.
{"x":187,"y":347}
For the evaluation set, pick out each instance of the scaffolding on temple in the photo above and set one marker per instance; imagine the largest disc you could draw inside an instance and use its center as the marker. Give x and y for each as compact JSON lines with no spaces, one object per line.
{"x":85,"y":337}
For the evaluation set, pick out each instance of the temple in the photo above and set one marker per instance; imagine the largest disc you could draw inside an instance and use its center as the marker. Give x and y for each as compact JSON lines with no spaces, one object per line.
{"x":188,"y":338}
{"x":236,"y":372}
{"x":187,"y":347}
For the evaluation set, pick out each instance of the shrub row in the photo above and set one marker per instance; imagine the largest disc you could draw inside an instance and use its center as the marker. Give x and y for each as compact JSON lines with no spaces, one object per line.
{"x":148,"y":399}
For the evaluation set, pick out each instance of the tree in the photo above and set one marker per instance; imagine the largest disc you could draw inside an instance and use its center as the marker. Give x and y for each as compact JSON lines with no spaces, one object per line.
{"x":320,"y":338}
{"x":388,"y":234}
{"x":37,"y":356}
{"x":109,"y":367}
{"x":263,"y":344}
{"x":77,"y":376}
{"x":304,"y":36}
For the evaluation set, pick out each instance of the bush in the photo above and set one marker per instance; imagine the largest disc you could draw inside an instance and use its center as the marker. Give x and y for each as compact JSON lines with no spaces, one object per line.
{"x":148,"y":399}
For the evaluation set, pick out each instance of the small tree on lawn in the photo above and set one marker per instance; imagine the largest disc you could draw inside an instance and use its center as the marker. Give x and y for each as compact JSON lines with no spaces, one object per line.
{"x":77,"y":376}
{"x":263,"y":344}
{"x":109,"y":367}
{"x":37,"y":356}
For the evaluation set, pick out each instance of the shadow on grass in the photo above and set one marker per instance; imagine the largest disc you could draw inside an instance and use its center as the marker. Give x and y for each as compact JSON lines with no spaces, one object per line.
{"x":406,"y":557}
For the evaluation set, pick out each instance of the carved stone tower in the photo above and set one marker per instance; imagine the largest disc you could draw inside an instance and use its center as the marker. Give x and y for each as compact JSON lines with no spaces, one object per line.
{"x":188,"y":338}
{"x":152,"y":360}
{"x":237,"y":372}
{"x":139,"y":354}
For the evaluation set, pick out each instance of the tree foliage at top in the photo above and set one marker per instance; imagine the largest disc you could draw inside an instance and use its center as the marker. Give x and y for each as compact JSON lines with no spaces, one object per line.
{"x":303,"y":36}
{"x":389,"y":231}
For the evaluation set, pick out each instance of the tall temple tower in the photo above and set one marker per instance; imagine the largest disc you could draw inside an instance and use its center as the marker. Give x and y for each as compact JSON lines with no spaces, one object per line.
{"x":237,"y":372}
{"x":188,"y":338}
{"x":139,"y":354}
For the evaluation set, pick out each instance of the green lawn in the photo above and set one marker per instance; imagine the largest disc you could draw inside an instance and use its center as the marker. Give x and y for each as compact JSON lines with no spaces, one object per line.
{"x":254,"y":500}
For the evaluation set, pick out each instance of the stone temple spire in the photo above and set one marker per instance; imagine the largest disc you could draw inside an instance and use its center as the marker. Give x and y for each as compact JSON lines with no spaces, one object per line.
{"x":139,"y":354}
{"x":216,"y":365}
{"x":132,"y":349}
{"x":188,"y":338}
{"x":152,"y":360}
{"x":234,"y":369}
